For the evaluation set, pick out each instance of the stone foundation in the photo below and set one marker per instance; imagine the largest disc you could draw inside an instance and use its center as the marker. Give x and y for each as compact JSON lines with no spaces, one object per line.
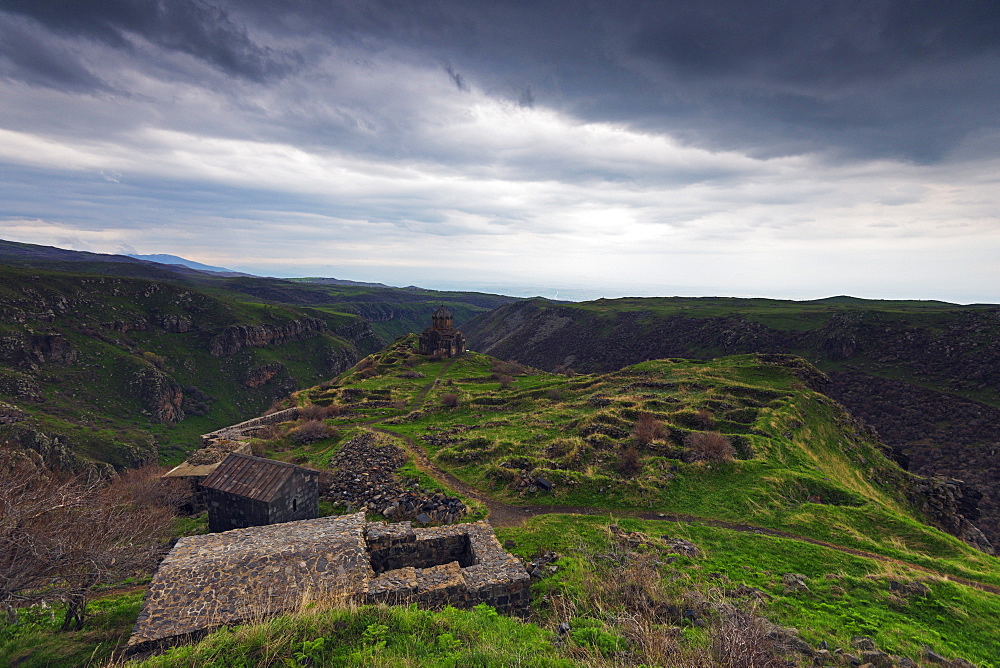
{"x":250,"y":574}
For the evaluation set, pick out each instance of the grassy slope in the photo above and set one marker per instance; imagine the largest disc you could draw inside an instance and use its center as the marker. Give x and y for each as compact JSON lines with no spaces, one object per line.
{"x":92,"y":404}
{"x":814,"y":330}
{"x":797,"y":445}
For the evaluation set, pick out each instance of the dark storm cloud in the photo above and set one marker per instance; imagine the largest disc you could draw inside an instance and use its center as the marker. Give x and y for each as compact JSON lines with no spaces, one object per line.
{"x":906,"y":79}
{"x":895,"y":78}
{"x":198,"y":29}
{"x":27,"y":56}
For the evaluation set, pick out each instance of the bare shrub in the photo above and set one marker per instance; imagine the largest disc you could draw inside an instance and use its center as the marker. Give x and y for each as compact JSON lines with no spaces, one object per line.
{"x":159,"y":361}
{"x":312,"y":412}
{"x":629,"y":464}
{"x":648,"y":429}
{"x":564,"y":370}
{"x":450,"y":399}
{"x":505,"y":382}
{"x":709,"y":446}
{"x":310,"y":431}
{"x":146,"y":486}
{"x":704,"y":419}
{"x":410,"y":373}
{"x":370,"y":372}
{"x":554,"y":394}
{"x":269,"y":432}
{"x":61,"y":536}
{"x":742,"y":639}
{"x":364,"y":363}
{"x":317,"y":412}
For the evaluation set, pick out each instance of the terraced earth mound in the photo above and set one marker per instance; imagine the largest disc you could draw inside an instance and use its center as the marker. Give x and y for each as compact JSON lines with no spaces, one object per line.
{"x":925,"y":374}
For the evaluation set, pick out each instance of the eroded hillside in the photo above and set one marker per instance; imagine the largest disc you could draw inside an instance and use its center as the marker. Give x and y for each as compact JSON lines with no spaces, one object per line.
{"x":118,"y":370}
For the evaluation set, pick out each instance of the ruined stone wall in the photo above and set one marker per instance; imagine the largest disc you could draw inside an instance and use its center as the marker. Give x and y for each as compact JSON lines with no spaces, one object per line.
{"x":249,"y":427}
{"x":459,"y":565}
{"x":230,"y":577}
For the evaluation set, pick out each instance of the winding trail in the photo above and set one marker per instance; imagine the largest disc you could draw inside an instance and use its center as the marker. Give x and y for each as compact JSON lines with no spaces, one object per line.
{"x":501,"y":514}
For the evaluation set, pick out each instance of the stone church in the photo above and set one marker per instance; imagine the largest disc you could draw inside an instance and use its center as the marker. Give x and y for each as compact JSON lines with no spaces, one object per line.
{"x":441,"y":339}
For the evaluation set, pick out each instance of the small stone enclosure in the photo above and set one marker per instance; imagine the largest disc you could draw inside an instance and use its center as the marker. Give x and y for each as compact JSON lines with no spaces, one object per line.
{"x":245,"y":491}
{"x":226,"y":578}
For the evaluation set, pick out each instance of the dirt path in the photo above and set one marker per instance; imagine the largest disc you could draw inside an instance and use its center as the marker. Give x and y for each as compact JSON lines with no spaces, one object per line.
{"x":501,"y":514}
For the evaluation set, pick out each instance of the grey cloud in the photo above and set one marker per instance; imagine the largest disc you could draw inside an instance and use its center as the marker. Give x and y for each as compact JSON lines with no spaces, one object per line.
{"x":884,"y":78}
{"x":26,"y":56}
{"x":198,"y":29}
{"x":456,"y":78}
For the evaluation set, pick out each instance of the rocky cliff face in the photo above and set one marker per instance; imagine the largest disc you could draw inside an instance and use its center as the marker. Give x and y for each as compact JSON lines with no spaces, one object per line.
{"x":237,"y":337}
{"x":160,"y":394}
{"x":26,"y":350}
{"x":951,"y":505}
{"x":100,"y":358}
{"x":940,"y":433}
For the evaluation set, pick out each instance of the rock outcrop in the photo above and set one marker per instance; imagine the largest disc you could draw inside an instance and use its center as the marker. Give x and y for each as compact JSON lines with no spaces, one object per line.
{"x":262,"y":374}
{"x":237,"y":337}
{"x":952,"y":506}
{"x":27,"y":351}
{"x":160,"y":394}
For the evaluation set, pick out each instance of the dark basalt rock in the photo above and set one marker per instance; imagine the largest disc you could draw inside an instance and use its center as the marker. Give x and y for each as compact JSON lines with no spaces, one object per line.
{"x":943,"y":500}
{"x":237,"y":337}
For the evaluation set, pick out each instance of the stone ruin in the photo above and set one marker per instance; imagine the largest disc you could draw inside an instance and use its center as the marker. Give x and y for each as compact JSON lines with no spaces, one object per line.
{"x":250,"y":574}
{"x":216,"y":445}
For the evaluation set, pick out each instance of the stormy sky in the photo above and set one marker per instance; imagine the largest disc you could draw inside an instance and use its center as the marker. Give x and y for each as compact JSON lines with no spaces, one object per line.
{"x":794,"y":149}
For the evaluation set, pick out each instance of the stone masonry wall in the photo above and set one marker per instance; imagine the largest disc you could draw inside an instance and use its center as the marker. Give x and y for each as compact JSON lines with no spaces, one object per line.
{"x":246,"y":574}
{"x":250,"y":427}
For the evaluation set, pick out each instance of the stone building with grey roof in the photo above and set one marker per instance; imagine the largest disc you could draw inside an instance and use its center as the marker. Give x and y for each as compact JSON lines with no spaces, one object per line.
{"x":249,"y":574}
{"x":245,"y":491}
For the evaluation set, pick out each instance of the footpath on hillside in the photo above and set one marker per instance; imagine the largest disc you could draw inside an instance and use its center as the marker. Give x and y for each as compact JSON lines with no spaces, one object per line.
{"x":501,"y":514}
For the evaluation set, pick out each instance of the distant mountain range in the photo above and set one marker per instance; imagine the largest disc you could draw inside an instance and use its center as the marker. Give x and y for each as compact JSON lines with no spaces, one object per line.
{"x":163,"y":258}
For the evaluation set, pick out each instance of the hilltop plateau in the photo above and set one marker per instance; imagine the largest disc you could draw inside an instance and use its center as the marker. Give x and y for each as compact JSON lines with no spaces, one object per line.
{"x":924,"y":374}
{"x":739,"y":468}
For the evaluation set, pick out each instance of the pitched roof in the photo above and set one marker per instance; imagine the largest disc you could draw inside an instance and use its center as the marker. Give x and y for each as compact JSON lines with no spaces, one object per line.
{"x":442,"y":312}
{"x":252,"y":477}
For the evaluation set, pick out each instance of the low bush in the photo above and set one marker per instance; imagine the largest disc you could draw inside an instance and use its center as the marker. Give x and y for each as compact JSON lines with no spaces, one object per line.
{"x":648,"y":429}
{"x":709,"y":446}
{"x":629,"y":464}
{"x":450,"y":400}
{"x":310,"y":431}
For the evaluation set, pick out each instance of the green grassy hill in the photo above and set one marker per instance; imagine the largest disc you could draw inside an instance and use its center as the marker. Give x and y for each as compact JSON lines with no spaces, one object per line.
{"x":108,"y":359}
{"x":391,"y":311}
{"x":113,"y":369}
{"x":926,"y":375}
{"x":656,"y":546}
{"x":611,"y":471}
